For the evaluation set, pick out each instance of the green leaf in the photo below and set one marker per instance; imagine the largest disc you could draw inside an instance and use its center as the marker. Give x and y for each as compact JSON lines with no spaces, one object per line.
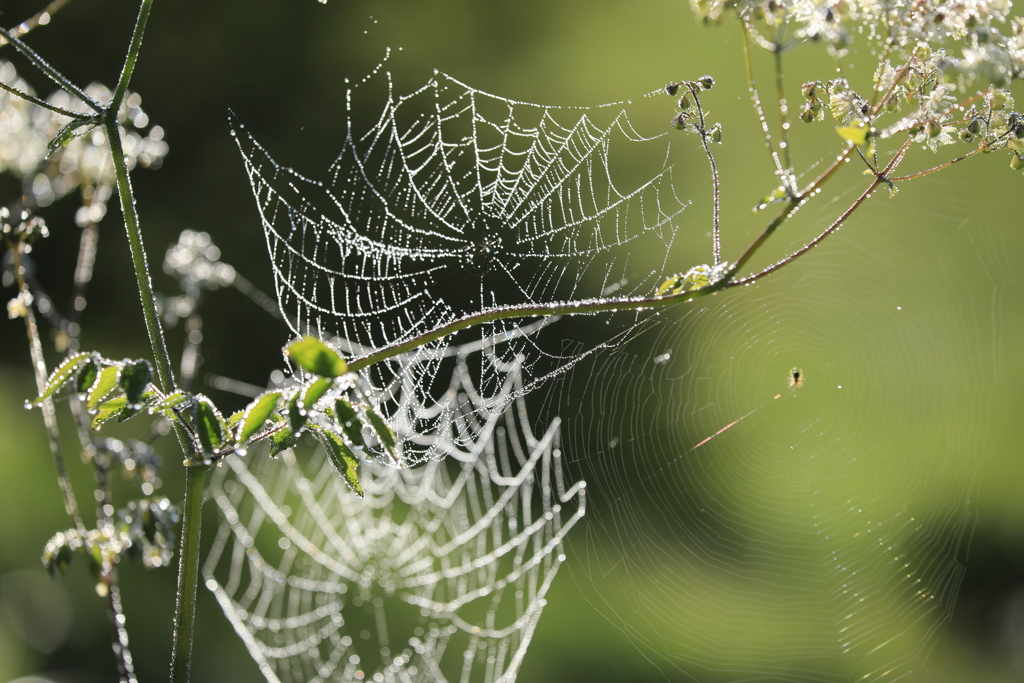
{"x":109,"y":410}
{"x":170,"y":400}
{"x":314,"y":356}
{"x":61,"y":375}
{"x":343,"y":459}
{"x":257,"y":413}
{"x":383,"y":430}
{"x":315,"y":391}
{"x":297,"y":414}
{"x":58,"y":560}
{"x":857,"y":134}
{"x":87,"y":376}
{"x":282,"y":440}
{"x":209,"y":426}
{"x":348,"y":420}
{"x":135,"y":377}
{"x":105,"y":383}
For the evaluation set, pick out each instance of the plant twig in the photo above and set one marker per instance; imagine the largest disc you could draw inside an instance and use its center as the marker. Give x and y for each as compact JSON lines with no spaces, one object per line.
{"x":716,"y":234}
{"x":38,"y":102}
{"x":49,"y":415}
{"x":125,"y":663}
{"x":54,"y":75}
{"x":758,"y":109}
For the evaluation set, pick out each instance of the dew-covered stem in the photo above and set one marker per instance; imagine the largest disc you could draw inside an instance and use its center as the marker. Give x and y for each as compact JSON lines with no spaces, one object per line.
{"x":188,"y":574}
{"x":756,"y":100}
{"x":49,"y":414}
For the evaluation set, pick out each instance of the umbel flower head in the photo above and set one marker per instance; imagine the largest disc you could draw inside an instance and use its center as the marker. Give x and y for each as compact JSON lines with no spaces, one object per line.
{"x":974,"y":33}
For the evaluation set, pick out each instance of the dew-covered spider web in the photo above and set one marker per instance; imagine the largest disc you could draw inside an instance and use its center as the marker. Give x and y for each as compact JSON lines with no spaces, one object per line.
{"x":439,"y":573}
{"x":448,"y":201}
{"x":741,"y":526}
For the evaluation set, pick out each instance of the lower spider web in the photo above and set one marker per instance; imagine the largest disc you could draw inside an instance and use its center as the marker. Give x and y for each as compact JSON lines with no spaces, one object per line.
{"x":438,"y":574}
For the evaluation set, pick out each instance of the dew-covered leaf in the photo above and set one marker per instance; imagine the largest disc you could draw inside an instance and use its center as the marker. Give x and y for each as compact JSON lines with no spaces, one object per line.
{"x":61,"y":375}
{"x":282,"y":440}
{"x":109,"y":410}
{"x":314,"y":356}
{"x":135,"y":377}
{"x":209,"y":426}
{"x":343,"y":459}
{"x":384,"y":432}
{"x":297,"y":414}
{"x":169,"y":402}
{"x":857,"y":134}
{"x":88,"y":373}
{"x":348,"y":420}
{"x":257,"y":413}
{"x":315,"y":391}
{"x":105,"y":383}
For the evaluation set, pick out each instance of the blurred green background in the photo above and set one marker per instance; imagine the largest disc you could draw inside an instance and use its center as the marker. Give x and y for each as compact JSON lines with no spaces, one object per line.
{"x":712,"y":564}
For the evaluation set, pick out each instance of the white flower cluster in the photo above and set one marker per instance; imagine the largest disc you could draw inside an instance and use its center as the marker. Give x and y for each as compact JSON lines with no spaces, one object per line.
{"x":968,"y":29}
{"x":195,"y":260}
{"x":26,"y":130}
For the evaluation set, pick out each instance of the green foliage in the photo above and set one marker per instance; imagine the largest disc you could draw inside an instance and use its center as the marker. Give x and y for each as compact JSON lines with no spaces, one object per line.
{"x":312,"y":355}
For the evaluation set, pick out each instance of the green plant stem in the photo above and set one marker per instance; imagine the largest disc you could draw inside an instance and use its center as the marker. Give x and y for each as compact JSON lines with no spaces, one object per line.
{"x":38,"y":102}
{"x":758,"y":109}
{"x":164,"y":373}
{"x":188,"y":575}
{"x":49,"y":415}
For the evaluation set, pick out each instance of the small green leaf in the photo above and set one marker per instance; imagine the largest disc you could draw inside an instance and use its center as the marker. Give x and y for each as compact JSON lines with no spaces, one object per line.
{"x":282,"y":440}
{"x":108,"y":410}
{"x":348,"y":420}
{"x":169,"y":402}
{"x":343,"y":459}
{"x":315,"y":391}
{"x":59,"y":560}
{"x":135,"y":377}
{"x":208,"y":425}
{"x":384,"y":433}
{"x":61,"y":375}
{"x":857,"y":134}
{"x":314,"y":356}
{"x":87,"y":376}
{"x":257,"y":413}
{"x":297,"y":414}
{"x":105,"y":383}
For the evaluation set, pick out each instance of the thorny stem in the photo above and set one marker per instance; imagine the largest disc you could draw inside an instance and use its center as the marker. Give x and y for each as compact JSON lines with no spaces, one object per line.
{"x":188,"y":575}
{"x":49,"y":415}
{"x":36,"y":19}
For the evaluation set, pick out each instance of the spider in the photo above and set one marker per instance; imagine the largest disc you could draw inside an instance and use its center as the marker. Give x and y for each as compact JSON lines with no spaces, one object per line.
{"x":796,"y":378}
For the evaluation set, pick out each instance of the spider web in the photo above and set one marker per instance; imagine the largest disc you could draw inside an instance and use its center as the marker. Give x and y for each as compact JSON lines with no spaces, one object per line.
{"x":739,"y":530}
{"x":450,"y":202}
{"x":453,"y":201}
{"x":438,"y":573}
